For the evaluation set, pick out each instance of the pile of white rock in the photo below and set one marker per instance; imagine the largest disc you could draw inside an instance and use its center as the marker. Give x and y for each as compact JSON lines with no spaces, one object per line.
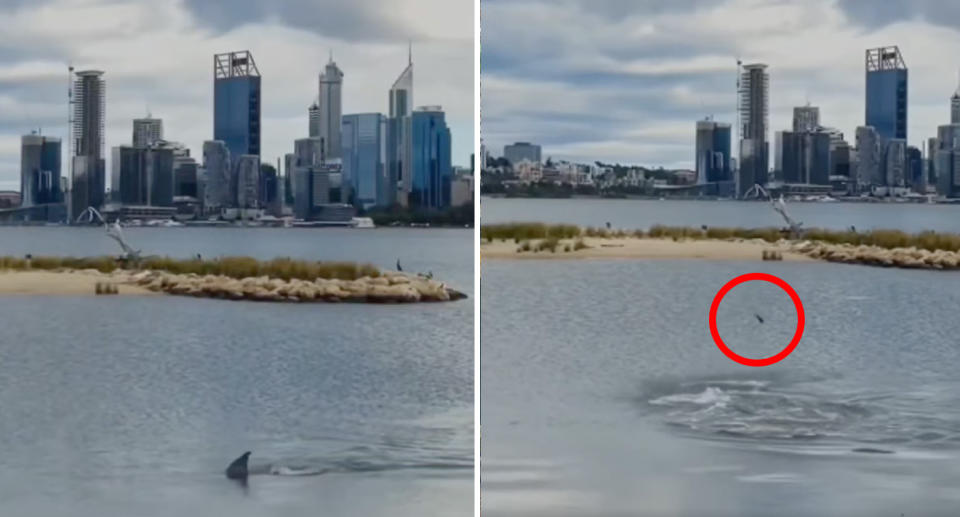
{"x":914,"y":258}
{"x":390,"y":287}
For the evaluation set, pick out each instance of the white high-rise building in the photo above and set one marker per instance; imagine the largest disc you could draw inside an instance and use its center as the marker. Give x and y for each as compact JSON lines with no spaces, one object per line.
{"x":331,"y":109}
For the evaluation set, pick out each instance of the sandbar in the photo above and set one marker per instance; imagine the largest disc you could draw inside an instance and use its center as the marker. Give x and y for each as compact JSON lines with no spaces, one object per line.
{"x":646,"y":248}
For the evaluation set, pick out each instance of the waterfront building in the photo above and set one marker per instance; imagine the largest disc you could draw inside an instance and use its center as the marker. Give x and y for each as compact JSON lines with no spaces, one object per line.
{"x":713,"y":152}
{"x":431,"y":166}
{"x":886,"y":92}
{"x":947,"y":160}
{"x":868,"y":158}
{"x":364,"y":158}
{"x":159,"y":170}
{"x":319,"y":196}
{"x":915,"y":178}
{"x":270,"y":189}
{"x":803,"y":157}
{"x":217,"y":164}
{"x":186,"y":174}
{"x":87,"y":181}
{"x":754,"y":84}
{"x":147,"y":131}
{"x":461,"y":190}
{"x":236,"y":103}
{"x":399,"y":143}
{"x":518,"y":151}
{"x":895,"y":166}
{"x":247,"y":177}
{"x":806,"y":118}
{"x":39,"y":170}
{"x":289,"y":163}
{"x":331,"y":109}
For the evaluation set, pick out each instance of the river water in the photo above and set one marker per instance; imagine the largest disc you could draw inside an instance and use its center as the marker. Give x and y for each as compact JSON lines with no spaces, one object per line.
{"x":135,"y":406}
{"x":603,"y":392}
{"x":634,"y":213}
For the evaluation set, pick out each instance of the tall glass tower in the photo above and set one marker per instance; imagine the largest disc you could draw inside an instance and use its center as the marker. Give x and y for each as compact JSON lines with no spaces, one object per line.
{"x":331,"y":109}
{"x":399,"y":150}
{"x":88,"y":182}
{"x":236,"y":102}
{"x":364,"y":158}
{"x":754,"y":91}
{"x":886,"y":92}
{"x":431,"y":167}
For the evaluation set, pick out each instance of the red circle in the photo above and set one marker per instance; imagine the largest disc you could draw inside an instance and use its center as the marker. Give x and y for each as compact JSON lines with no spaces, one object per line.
{"x":746,"y":360}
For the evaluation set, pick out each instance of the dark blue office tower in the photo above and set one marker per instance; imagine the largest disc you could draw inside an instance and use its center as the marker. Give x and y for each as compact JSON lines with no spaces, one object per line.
{"x":236,"y":102}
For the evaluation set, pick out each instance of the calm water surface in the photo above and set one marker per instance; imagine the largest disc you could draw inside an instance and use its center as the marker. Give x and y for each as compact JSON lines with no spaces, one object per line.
{"x":134,"y":406}
{"x":633,"y":214}
{"x":603,"y":393}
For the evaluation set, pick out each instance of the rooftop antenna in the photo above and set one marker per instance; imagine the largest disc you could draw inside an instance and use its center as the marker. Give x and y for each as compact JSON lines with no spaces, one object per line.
{"x":331,"y":55}
{"x":410,"y":52}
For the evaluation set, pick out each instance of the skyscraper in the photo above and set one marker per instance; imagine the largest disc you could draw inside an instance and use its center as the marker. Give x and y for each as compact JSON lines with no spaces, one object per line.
{"x":159,"y":173}
{"x":806,"y":118}
{"x":886,"y":100}
{"x":331,"y":109}
{"x":754,"y":95}
{"x":868,"y":157}
{"x":236,"y":102}
{"x":39,"y":170}
{"x":803,"y":157}
{"x":399,"y":145}
{"x":895,"y":166}
{"x":247,"y":174}
{"x":314,"y":116}
{"x":131,"y":186}
{"x":431,"y":167}
{"x":88,"y":165}
{"x":147,"y":131}
{"x":364,"y":158}
{"x":216,"y":163}
{"x":947,"y":160}
{"x":713,"y":152}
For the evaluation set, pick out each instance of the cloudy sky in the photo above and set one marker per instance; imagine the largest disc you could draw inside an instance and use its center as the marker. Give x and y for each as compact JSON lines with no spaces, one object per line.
{"x":158,"y":56}
{"x":625,"y":80}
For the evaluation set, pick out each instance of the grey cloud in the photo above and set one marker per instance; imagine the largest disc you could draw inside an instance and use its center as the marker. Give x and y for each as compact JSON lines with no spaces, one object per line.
{"x":616,"y":9}
{"x":354,"y":20}
{"x":875,"y":14}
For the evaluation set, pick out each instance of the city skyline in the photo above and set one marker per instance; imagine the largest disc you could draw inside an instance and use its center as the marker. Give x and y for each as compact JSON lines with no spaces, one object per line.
{"x":175,"y":84}
{"x":629,"y":85}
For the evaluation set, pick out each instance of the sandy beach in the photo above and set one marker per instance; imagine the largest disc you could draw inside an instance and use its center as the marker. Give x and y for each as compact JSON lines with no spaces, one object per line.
{"x":60,"y":283}
{"x":633,"y":248}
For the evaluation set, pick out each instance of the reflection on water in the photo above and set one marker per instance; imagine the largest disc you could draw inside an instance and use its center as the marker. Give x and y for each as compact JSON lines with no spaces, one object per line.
{"x":604,"y":394}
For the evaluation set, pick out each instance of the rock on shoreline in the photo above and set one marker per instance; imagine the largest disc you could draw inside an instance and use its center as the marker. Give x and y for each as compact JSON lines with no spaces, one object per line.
{"x":391,"y":287}
{"x":909,"y":258}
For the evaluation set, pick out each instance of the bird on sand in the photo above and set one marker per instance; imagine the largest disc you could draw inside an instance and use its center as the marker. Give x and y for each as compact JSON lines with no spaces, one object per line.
{"x":758,"y":318}
{"x":398,"y":265}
